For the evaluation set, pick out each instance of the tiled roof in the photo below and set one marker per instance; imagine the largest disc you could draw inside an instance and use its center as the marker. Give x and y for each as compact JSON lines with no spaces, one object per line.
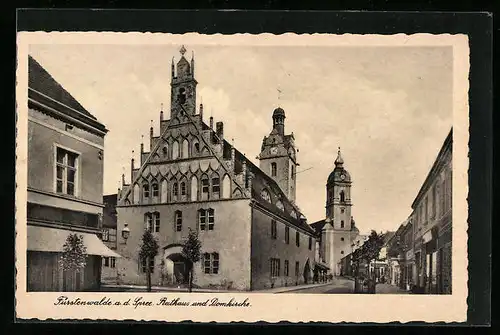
{"x":45,"y":89}
{"x":260,"y":181}
{"x":40,"y":80}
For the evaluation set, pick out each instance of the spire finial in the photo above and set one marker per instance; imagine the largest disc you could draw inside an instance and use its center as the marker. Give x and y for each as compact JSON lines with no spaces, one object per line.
{"x":339,"y":161}
{"x":182,"y":50}
{"x":161,"y":106}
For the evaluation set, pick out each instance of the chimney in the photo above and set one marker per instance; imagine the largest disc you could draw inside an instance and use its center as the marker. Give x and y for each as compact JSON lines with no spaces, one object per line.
{"x":161,"y":114}
{"x":142,"y":144}
{"x":123,"y":179}
{"x":219,"y":130}
{"x":132,"y":167}
{"x":211,"y":122}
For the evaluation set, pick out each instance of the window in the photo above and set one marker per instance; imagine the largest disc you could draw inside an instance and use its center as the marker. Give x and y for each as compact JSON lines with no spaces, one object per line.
{"x":211,"y":219}
{"x":342,"y":224}
{"x":287,"y":235}
{"x":205,"y":184}
{"x":265,"y":195}
{"x":274,"y":231}
{"x":148,"y":224}
{"x":109,"y":262}
{"x":155,"y":189}
{"x":157,"y":222}
{"x":273,"y":169}
{"x":286,"y":268}
{"x":342,"y":252}
{"x":181,"y":97}
{"x":279,"y":204}
{"x":310,"y":243}
{"x":66,"y":171}
{"x":151,"y":264}
{"x":342,"y":210}
{"x":342,"y":196}
{"x":211,"y":263}
{"x":165,"y":151}
{"x":178,"y":221}
{"x":206,"y":218}
{"x":297,"y":239}
{"x":196,"y":148}
{"x":145,"y":191}
{"x":112,"y":235}
{"x":297,"y":269}
{"x":275,"y":267}
{"x":292,"y":172}
{"x":183,"y":188}
{"x":175,"y":191}
{"x":215,"y":185}
{"x":105,"y":235}
{"x":342,"y":239}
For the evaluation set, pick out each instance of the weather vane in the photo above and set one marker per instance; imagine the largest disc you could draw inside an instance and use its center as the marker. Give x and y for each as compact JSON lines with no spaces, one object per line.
{"x":279,"y":93}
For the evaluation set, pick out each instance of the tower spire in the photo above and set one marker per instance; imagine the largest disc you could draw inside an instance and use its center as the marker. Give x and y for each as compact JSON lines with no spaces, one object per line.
{"x":339,"y":161}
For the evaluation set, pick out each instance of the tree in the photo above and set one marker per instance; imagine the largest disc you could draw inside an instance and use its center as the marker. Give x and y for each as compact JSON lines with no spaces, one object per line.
{"x":370,"y":251}
{"x":149,"y":249}
{"x":74,"y":257}
{"x":191,"y":250}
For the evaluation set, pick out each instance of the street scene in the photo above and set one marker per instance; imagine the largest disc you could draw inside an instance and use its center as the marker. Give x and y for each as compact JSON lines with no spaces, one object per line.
{"x":190,"y":179}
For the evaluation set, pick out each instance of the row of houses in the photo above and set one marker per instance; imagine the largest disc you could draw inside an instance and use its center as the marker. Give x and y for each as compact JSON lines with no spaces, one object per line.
{"x":420,"y":251}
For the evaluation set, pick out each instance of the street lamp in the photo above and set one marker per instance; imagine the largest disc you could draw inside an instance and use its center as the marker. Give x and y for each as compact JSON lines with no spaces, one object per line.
{"x":125,"y":232}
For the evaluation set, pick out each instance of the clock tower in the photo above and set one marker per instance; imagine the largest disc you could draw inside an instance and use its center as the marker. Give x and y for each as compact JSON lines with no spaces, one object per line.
{"x":278,"y":156}
{"x":183,"y":86}
{"x":339,"y":231}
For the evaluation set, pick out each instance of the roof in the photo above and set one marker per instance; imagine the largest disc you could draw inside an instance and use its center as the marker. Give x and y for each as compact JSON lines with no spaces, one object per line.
{"x":262,"y":181}
{"x":278,"y":111}
{"x":109,"y":212}
{"x":318,"y":226}
{"x":45,"y":89}
{"x":435,"y":167}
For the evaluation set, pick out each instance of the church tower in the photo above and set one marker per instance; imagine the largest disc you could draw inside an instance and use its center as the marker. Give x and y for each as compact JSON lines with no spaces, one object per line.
{"x":183,"y":86}
{"x":278,"y":157}
{"x":339,"y":230}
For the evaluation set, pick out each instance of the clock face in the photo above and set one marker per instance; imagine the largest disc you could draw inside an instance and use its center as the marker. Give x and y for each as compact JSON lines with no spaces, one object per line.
{"x":274,"y":150}
{"x":342,"y":176}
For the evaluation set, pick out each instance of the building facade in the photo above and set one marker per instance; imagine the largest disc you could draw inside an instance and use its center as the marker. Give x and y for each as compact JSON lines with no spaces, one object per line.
{"x":432,"y":224}
{"x":338,"y":231}
{"x":109,"y":238}
{"x":253,"y":235}
{"x":65,"y":171}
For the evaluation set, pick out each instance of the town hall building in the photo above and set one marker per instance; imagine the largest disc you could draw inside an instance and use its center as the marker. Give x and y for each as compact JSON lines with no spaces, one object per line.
{"x":253,"y":235}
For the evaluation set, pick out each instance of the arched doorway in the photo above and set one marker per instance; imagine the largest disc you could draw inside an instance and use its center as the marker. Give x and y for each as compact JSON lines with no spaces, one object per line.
{"x":175,"y":266}
{"x":307,"y":272}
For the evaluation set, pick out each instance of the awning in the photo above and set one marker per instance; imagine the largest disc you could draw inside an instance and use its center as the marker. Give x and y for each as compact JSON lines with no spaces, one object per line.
{"x":53,"y":239}
{"x":427,"y":237}
{"x":322,"y":266}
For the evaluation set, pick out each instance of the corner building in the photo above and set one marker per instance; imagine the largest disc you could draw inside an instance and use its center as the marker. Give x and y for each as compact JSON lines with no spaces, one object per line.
{"x":253,"y":235}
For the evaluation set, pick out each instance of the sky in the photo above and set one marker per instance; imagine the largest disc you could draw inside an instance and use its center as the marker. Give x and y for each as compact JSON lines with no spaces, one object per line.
{"x":388,"y":108}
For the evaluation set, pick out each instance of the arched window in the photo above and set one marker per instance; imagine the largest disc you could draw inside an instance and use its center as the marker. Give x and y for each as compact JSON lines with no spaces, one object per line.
{"x":273,"y":169}
{"x":265,"y":195}
{"x":183,"y":190}
{"x":205,"y":187}
{"x":194,"y":188}
{"x":137,"y":197}
{"x":145,"y":192}
{"x":164,"y":191}
{"x":175,"y":191}
{"x":226,"y":187}
{"x":175,"y":150}
{"x":279,"y":204}
{"x":181,"y":97}
{"x":342,"y":196}
{"x":165,"y":151}
{"x":155,"y":189}
{"x":196,"y":148}
{"x":215,"y":187}
{"x":185,"y":149}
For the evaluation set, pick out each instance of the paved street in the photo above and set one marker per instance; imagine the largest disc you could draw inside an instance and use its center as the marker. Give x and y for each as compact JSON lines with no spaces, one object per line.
{"x":338,"y":285}
{"x":389,"y":289}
